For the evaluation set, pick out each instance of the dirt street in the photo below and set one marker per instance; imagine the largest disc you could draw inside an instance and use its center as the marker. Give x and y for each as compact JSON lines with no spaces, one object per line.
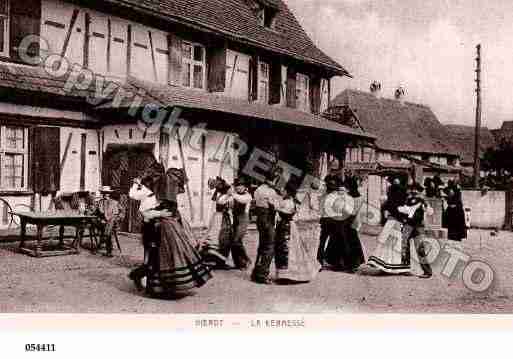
{"x":87,"y":283}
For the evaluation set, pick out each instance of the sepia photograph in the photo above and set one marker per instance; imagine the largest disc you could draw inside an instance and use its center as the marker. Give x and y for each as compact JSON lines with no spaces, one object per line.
{"x":234,"y":157}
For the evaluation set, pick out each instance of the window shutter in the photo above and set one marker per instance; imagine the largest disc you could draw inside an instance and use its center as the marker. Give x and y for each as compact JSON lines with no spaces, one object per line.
{"x":175,"y":59}
{"x":31,"y":154}
{"x":275,"y":81}
{"x":25,"y":20}
{"x":253,"y":78}
{"x":46,"y":159}
{"x":216,"y":69}
{"x":315,"y":94}
{"x":291,"y":88}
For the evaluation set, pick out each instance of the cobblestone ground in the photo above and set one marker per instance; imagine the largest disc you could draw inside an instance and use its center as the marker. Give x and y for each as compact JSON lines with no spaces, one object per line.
{"x":87,"y":283}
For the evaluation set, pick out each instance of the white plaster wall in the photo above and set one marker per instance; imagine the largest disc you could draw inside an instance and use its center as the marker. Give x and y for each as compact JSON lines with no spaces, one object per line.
{"x":488,"y":209}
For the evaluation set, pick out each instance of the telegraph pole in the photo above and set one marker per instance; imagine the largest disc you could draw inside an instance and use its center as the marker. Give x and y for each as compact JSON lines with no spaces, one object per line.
{"x":477,"y":164}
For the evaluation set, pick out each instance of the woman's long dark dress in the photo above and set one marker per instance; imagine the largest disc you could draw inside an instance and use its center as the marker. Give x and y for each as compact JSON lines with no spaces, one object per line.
{"x":344,"y":251}
{"x":454,"y":218}
{"x":174,"y":265}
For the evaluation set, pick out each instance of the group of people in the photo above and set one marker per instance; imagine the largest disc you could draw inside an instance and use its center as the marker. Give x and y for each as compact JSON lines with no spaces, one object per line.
{"x":279,"y":238}
{"x":175,"y":261}
{"x":404,"y":213}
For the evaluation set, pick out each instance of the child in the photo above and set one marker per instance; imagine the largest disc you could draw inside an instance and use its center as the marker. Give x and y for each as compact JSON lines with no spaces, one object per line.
{"x":110,"y":213}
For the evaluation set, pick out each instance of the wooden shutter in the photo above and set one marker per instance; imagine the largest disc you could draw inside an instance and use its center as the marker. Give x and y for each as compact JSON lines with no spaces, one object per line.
{"x":216,"y":68}
{"x":25,"y":20}
{"x":291,"y":88}
{"x":315,"y":94}
{"x":275,"y":81}
{"x":253,"y":78}
{"x":174,"y":44}
{"x":46,"y":159}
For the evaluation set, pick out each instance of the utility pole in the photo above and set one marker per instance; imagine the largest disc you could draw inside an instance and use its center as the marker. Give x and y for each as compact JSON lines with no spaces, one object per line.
{"x":477,"y":164}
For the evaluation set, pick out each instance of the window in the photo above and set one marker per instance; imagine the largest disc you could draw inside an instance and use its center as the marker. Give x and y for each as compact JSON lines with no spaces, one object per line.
{"x":367,"y":154}
{"x":266,"y":16}
{"x":302,"y":92}
{"x":13,"y":158}
{"x":4,"y":28}
{"x":325,"y":94}
{"x":263,"y":82}
{"x":193,"y":59}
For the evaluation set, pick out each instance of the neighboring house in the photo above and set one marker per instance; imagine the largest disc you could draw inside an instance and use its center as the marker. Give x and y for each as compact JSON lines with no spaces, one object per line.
{"x":505,"y":133}
{"x":463,"y":139}
{"x":246,"y":69}
{"x":409,"y":138}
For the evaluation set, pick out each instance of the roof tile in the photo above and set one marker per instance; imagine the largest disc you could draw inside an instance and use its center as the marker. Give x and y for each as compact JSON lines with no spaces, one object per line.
{"x":236,"y":19}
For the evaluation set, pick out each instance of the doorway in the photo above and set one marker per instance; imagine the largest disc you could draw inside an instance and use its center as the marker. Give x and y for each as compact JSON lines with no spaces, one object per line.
{"x":121,"y":165}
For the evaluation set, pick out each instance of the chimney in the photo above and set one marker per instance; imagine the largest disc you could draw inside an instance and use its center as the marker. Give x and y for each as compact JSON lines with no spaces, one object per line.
{"x":375,"y":88}
{"x":399,"y":94}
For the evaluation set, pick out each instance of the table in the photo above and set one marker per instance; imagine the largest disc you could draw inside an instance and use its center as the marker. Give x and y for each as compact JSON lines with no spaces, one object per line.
{"x":59,"y":218}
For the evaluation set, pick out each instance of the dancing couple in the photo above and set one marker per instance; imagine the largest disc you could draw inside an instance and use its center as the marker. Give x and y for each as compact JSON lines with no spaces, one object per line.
{"x":280,"y":239}
{"x":228,"y":225}
{"x":401,"y":247}
{"x":172,"y":264}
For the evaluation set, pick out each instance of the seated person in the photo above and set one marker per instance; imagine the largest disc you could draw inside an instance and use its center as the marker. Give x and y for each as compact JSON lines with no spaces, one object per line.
{"x":110,"y":213}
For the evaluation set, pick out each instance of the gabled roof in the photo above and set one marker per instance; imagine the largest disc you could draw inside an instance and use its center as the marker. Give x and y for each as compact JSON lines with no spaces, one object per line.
{"x":401,"y":127}
{"x":507,"y":126}
{"x":168,"y":97}
{"x":463,"y":138}
{"x":236,"y":20}
{"x":504,"y":133}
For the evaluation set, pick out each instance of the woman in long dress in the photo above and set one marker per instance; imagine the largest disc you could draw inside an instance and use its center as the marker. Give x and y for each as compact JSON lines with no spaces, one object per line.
{"x":396,"y":252}
{"x":345,"y":250}
{"x":220,"y":229}
{"x":296,"y":259}
{"x":173,"y":266}
{"x":454,"y":216}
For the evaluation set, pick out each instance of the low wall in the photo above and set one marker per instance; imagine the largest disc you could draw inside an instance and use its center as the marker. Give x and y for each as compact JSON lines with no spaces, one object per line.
{"x":488,"y":210}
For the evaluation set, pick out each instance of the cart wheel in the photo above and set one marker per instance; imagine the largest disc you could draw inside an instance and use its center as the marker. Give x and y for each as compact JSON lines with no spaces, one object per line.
{"x":15,"y":220}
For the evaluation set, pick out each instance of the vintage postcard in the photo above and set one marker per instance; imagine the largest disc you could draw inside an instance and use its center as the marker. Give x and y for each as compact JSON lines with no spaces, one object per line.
{"x":254,"y":164}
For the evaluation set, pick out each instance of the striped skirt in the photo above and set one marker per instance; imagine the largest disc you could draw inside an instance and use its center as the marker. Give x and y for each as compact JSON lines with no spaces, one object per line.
{"x":180,"y":266}
{"x":395,"y":252}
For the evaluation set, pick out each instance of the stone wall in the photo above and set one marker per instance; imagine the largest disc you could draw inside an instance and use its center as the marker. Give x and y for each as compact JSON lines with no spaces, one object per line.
{"x":488,"y":209}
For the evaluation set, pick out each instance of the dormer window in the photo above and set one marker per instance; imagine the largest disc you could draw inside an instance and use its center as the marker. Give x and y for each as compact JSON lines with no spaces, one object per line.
{"x":266,"y":14}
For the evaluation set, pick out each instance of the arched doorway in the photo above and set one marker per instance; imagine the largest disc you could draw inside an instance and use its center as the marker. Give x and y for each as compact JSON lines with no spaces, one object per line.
{"x":121,"y":164}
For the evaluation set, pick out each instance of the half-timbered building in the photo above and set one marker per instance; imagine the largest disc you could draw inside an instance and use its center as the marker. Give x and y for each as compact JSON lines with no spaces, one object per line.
{"x":84,"y":104}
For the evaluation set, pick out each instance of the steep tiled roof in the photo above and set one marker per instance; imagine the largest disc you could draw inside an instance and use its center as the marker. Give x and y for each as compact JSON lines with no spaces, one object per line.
{"x":403,"y":127}
{"x":463,"y":137}
{"x":167,"y":96}
{"x":235,"y":19}
{"x":504,"y":133}
{"x":37,"y":82}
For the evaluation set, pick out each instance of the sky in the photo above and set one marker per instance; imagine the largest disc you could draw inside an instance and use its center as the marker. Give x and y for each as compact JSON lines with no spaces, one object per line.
{"x":428,"y":47}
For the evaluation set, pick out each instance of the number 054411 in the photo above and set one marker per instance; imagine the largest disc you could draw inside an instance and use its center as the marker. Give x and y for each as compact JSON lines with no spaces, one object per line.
{"x":39,"y":347}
